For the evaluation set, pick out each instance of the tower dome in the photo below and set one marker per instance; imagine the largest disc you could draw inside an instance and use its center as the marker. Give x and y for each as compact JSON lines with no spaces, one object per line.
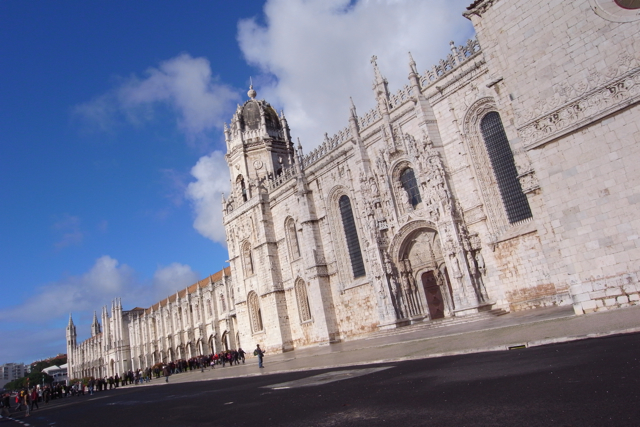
{"x":252,"y":111}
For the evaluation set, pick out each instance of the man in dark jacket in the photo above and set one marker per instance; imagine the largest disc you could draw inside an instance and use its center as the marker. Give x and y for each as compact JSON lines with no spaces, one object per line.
{"x":258,"y":352}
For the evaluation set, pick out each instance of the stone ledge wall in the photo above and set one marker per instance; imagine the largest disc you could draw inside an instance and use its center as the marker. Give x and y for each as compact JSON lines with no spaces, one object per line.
{"x":605,"y":293}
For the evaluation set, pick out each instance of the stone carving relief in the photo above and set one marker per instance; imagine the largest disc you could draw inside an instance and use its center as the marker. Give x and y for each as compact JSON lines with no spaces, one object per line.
{"x":245,"y":229}
{"x":409,"y":289}
{"x":228,"y":204}
{"x":573,"y":104}
{"x":373,"y":205}
{"x":394,"y":287}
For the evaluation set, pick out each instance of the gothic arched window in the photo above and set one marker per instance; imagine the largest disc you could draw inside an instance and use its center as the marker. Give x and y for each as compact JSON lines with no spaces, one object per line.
{"x":223,"y":304}
{"x":351,"y":236}
{"x":247,"y":259}
{"x":303,"y":301}
{"x":501,"y":157}
{"x":255,"y":314}
{"x":410,"y":185}
{"x":292,"y":237}
{"x":241,"y":188}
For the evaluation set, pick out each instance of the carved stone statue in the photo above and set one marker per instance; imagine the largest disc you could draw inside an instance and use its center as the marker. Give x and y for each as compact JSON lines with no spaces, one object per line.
{"x":404,"y":196}
{"x":472,"y":263}
{"x":455,"y":264}
{"x":480,"y":262}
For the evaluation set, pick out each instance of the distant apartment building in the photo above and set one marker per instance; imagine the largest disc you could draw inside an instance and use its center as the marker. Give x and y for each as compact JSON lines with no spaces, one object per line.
{"x":11,"y":371}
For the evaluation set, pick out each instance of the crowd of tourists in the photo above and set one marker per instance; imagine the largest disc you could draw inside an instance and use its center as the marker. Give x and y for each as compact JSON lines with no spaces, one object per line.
{"x":28,"y":398}
{"x":223,"y":358}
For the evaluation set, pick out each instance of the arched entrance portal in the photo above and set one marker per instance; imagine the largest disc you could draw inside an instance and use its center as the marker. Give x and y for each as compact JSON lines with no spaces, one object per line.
{"x":212,"y":348}
{"x":225,"y":340}
{"x":423,"y":288}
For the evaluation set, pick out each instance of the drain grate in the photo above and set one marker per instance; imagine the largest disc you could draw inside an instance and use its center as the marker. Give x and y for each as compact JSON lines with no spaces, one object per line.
{"x":517,"y":347}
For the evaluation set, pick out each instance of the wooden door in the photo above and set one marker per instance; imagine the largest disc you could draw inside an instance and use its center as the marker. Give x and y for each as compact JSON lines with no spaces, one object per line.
{"x":435,"y":302}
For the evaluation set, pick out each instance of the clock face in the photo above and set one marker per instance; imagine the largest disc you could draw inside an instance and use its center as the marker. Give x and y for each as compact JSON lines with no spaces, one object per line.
{"x":257,"y":164}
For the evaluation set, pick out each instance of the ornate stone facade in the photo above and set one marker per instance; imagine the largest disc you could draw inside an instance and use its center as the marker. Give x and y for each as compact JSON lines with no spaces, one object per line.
{"x":195,"y":321}
{"x":504,"y":177}
{"x":464,"y":191}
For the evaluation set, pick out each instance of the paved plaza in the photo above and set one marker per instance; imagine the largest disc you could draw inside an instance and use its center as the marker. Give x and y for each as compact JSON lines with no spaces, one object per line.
{"x":529,"y":328}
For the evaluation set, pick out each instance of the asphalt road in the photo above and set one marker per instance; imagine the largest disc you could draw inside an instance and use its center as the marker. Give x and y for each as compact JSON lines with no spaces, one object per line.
{"x":594,"y":382}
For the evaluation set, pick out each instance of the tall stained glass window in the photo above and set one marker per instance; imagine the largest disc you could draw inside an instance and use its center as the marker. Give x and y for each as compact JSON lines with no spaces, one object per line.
{"x":351,"y":235}
{"x":515,"y":201}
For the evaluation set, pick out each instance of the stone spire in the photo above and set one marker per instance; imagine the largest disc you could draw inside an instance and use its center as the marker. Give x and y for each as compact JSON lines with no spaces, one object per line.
{"x":414,"y":77}
{"x":380,"y":87}
{"x":412,"y":65}
{"x":376,"y":71}
{"x":95,"y":326}
{"x":300,"y":155}
{"x":353,"y":121}
{"x":352,"y":110}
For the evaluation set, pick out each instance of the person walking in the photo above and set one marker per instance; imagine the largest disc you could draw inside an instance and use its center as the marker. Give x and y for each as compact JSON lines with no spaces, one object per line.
{"x":258,"y":352}
{"x":6,"y":404}
{"x":166,"y":371}
{"x":25,"y":401}
{"x":34,"y":399}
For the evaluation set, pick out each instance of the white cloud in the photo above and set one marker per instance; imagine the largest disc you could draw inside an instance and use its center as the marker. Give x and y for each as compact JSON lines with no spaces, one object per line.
{"x":105,"y":280}
{"x":184,"y":84}
{"x":212,"y":179}
{"x":316,"y":53}
{"x":174,"y":277}
{"x":35,"y":328}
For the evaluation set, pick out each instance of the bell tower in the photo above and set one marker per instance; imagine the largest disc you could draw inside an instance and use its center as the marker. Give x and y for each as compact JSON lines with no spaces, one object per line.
{"x":259,"y":153}
{"x":258,"y":146}
{"x":71,"y":345}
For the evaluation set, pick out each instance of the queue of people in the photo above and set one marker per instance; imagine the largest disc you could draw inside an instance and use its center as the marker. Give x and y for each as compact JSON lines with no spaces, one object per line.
{"x":201,"y":362}
{"x":27,"y":399}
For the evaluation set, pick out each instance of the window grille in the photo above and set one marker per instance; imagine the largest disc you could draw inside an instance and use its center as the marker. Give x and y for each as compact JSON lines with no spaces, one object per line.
{"x":410,"y":185}
{"x":351,"y":234}
{"x":515,"y":201}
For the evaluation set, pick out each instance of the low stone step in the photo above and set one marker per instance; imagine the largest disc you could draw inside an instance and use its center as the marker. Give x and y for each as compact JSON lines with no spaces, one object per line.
{"x":432,"y":324}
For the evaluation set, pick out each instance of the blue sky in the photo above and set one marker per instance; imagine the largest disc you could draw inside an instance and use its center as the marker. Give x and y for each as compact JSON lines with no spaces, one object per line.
{"x":111,"y":146}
